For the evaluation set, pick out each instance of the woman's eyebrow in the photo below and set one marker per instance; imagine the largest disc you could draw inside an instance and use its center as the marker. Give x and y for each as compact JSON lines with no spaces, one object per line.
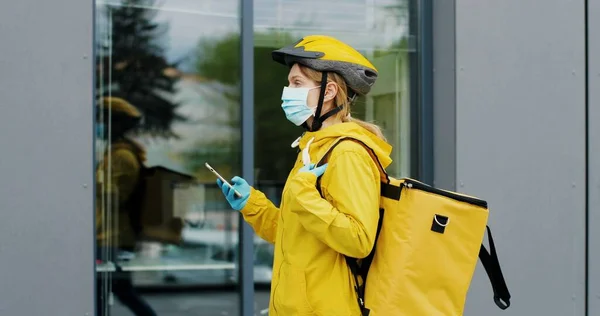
{"x":294,"y":77}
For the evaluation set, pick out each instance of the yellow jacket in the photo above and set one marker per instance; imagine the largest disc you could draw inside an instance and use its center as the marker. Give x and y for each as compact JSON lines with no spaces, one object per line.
{"x":311,"y":234}
{"x":117,"y":177}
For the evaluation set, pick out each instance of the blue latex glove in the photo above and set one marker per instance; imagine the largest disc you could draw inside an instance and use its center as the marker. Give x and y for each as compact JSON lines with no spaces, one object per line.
{"x":239,"y":185}
{"x":311,"y":168}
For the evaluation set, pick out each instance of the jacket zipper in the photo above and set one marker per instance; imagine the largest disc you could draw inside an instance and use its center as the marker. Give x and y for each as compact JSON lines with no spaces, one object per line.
{"x":279,"y":270}
{"x":282,"y":255}
{"x":409,"y":183}
{"x":282,"y":249}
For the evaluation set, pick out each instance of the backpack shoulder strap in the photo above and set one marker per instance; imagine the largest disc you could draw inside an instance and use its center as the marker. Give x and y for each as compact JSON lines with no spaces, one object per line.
{"x":360,"y":268}
{"x":387,"y":190}
{"x":490,"y":263}
{"x":325,"y":157}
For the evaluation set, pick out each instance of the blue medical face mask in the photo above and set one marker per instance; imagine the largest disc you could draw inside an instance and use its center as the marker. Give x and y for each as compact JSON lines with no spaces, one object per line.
{"x":294,"y":104}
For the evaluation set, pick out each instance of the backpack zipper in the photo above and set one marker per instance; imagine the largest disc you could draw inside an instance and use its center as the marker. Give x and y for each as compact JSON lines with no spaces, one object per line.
{"x":409,"y":183}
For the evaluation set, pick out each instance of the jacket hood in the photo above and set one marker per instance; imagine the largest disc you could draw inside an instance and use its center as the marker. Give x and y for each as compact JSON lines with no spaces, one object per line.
{"x":323,"y":138}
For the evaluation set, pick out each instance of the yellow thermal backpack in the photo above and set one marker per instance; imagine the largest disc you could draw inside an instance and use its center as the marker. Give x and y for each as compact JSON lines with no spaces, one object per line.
{"x":427,"y":245}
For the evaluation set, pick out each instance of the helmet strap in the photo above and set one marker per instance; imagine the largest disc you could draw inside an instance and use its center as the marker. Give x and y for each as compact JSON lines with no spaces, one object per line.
{"x":317,"y":122}
{"x":321,"y":119}
{"x":329,"y":114}
{"x":352,"y":95}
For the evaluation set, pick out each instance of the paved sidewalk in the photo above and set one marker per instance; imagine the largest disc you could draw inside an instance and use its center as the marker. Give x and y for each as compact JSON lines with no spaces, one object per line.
{"x":197,"y":304}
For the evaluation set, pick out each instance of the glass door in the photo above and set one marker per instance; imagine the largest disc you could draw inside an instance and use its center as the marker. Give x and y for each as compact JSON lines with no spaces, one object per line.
{"x":163,"y":229}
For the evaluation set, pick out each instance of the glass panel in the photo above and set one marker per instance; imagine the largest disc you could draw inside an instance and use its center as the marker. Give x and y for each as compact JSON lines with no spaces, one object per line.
{"x":162,"y":225}
{"x":379,"y":29}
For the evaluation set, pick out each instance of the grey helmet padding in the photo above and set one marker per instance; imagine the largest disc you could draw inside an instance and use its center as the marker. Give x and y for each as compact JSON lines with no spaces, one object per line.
{"x":358,"y":78}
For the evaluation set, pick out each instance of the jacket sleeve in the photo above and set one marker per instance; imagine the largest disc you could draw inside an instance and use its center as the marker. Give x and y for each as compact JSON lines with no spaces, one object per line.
{"x":262,"y":215}
{"x":347,"y":224}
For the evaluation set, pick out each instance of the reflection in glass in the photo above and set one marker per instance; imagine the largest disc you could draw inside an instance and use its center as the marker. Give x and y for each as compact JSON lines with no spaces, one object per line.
{"x":161,"y":222}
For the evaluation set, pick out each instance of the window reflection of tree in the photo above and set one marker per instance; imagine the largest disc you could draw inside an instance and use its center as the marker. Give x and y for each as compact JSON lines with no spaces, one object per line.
{"x":132,"y":64}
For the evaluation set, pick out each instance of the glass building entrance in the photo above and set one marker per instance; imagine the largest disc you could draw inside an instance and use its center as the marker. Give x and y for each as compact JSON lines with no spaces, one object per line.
{"x":169,"y":91}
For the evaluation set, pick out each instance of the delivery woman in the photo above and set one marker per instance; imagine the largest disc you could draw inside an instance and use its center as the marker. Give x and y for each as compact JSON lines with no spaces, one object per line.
{"x":312,"y":233}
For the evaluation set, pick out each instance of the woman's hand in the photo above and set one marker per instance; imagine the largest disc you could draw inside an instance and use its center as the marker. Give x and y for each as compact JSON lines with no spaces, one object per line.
{"x":239,"y":185}
{"x":318,"y":171}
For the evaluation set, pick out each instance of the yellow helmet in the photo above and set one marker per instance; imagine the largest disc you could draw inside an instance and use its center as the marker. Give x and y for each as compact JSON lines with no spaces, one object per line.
{"x":120,"y":107}
{"x":327,"y":54}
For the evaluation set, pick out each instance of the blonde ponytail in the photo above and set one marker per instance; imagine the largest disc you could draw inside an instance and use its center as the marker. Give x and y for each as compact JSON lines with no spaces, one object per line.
{"x":341,"y":99}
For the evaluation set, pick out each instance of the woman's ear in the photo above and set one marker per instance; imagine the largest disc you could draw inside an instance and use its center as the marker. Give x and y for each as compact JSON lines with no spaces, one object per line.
{"x":331,"y":91}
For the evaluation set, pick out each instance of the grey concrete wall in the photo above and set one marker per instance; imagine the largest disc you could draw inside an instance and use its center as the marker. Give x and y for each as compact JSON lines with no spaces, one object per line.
{"x":444,"y":94}
{"x":46,"y":213}
{"x":594,"y":155}
{"x":520,"y":144}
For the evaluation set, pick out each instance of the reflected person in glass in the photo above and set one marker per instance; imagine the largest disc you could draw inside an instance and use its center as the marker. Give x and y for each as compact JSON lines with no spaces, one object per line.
{"x":328,"y":211}
{"x":117,"y":226}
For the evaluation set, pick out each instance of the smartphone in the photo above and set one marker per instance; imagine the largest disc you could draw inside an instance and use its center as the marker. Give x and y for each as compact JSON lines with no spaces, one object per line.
{"x":237,"y":194}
